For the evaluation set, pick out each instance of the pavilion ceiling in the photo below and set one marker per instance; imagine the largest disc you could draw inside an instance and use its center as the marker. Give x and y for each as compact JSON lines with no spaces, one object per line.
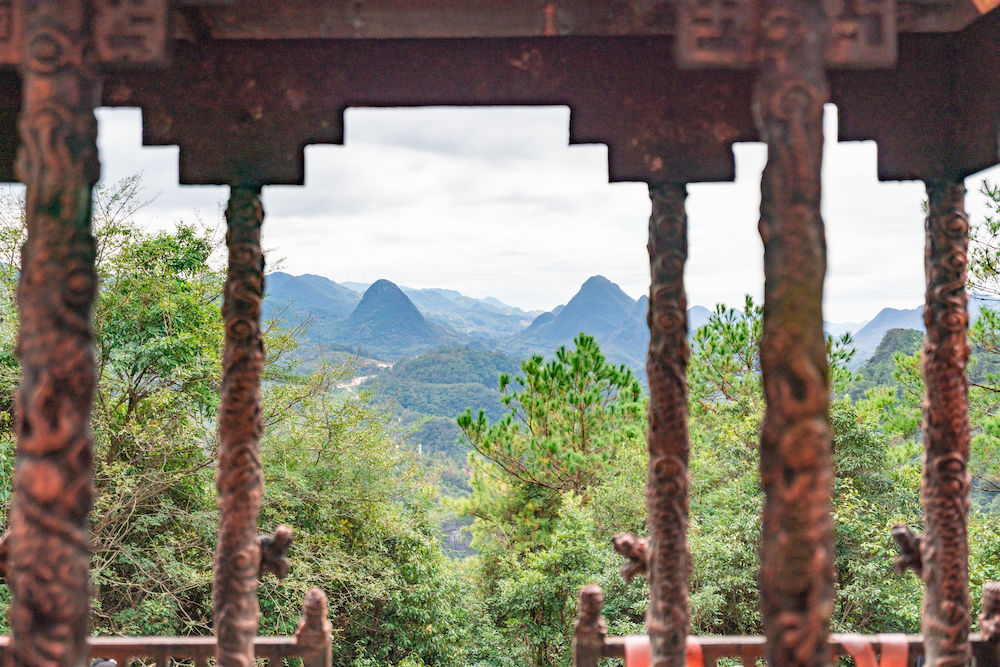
{"x":244,"y":86}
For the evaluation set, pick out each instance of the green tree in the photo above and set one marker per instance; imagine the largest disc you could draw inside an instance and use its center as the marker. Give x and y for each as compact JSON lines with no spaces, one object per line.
{"x":360,"y":510}
{"x":551,"y":481}
{"x":569,"y":420}
{"x":880,"y":369}
{"x":901,"y":418}
{"x":984,"y":336}
{"x":984,"y":246}
{"x":870,"y":492}
{"x":157,"y":347}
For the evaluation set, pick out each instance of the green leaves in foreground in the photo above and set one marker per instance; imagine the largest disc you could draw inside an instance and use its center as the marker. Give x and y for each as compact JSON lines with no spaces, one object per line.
{"x":551,"y":481}
{"x":570,"y":421}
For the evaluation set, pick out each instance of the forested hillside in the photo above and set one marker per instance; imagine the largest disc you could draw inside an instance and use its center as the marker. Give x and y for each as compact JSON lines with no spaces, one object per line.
{"x":426,"y":392}
{"x":879,"y":369}
{"x":361,"y":507}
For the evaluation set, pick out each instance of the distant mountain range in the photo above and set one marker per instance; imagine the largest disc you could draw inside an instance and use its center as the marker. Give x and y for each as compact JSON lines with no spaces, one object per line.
{"x":386,"y":321}
{"x":486,"y":317}
{"x":602,"y":310}
{"x":867,"y":337}
{"x":386,"y":324}
{"x":291,"y":297}
{"x":389,"y":322}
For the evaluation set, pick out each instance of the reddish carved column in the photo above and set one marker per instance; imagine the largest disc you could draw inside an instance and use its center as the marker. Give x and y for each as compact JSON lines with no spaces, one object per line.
{"x":989,"y":619}
{"x":589,"y":628}
{"x":313,"y":634}
{"x":669,"y":563}
{"x":53,"y":487}
{"x":944,"y":487}
{"x":240,"y":480}
{"x":796,"y":576}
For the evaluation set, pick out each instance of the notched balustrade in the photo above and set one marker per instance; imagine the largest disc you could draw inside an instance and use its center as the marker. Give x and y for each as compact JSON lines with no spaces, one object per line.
{"x":314,"y":631}
{"x":589,"y":628}
{"x":591,"y":642}
{"x":311,"y":643}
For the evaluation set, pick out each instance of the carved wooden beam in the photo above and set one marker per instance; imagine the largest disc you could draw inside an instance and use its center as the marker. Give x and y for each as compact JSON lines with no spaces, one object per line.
{"x":796,"y":467}
{"x":944,"y":488}
{"x":240,"y":478}
{"x":669,"y":562}
{"x":712,"y":32}
{"x":49,"y":563}
{"x":940,"y":15}
{"x":405,"y":19}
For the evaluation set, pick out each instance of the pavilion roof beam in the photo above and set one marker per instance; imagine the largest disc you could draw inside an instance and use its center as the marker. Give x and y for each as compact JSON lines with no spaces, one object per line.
{"x":238,"y":107}
{"x":403,"y":19}
{"x":936,"y":115}
{"x":127,"y":34}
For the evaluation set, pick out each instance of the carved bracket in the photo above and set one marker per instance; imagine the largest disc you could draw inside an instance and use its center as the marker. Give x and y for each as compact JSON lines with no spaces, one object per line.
{"x":133,"y":32}
{"x":728,"y":33}
{"x":273,"y":552}
{"x":909,"y":550}
{"x":126,"y":32}
{"x":636,"y":550}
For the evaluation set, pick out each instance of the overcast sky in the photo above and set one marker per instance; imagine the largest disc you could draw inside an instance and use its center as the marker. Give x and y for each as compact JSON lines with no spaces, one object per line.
{"x":493,"y":202}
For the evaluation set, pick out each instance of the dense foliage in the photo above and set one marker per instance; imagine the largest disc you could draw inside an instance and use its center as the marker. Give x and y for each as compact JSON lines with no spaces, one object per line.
{"x":361,"y":509}
{"x":571,"y":425}
{"x":540,"y":532}
{"x":551,"y":462}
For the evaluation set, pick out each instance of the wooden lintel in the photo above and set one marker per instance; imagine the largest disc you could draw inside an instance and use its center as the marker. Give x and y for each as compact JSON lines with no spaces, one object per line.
{"x":445,"y":19}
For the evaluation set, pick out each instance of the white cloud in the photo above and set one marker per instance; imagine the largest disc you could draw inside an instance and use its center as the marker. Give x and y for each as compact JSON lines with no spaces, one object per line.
{"x":493,"y":202}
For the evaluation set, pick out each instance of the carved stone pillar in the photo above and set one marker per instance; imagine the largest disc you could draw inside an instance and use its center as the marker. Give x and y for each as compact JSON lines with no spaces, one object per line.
{"x":796,"y":576}
{"x":53,"y":482}
{"x":240,"y":479}
{"x":944,"y":487}
{"x":669,"y":563}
